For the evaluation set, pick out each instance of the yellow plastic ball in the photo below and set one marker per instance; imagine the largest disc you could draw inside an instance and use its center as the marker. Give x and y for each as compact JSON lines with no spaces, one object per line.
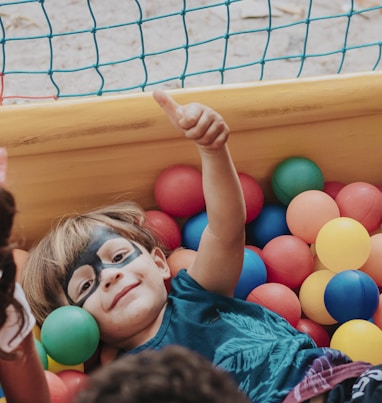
{"x":54,"y":366}
{"x":343,"y":244}
{"x":360,"y":339}
{"x":311,"y":296}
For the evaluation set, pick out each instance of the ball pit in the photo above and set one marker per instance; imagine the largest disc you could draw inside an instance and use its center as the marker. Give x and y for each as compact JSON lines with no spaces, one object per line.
{"x":278,"y":237}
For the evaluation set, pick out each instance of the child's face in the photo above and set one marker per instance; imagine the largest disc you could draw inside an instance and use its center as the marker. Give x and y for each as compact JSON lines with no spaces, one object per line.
{"x":122,"y":285}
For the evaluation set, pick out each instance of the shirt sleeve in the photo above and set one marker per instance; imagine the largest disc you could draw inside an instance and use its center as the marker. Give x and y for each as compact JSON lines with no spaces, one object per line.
{"x":8,"y":341}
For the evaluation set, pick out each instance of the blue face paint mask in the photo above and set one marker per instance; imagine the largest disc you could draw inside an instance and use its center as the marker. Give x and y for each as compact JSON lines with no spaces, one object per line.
{"x":83,"y":276}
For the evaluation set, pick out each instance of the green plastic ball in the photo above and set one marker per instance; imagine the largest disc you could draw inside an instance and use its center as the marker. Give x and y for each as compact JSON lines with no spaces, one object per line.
{"x":70,"y":335}
{"x":42,"y":353}
{"x":295,"y":175}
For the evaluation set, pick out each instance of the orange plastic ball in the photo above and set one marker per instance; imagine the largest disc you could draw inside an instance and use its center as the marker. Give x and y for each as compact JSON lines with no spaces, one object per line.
{"x":181,"y":258}
{"x":308,"y":212}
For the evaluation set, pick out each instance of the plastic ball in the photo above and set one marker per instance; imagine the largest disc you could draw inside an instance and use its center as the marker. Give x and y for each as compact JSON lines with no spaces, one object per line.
{"x":351,"y":294}
{"x":270,"y":223}
{"x":332,"y":188}
{"x":178,"y":191}
{"x":42,"y":353}
{"x":254,"y":248}
{"x":165,"y":227}
{"x":252,"y":275}
{"x":253,"y":195}
{"x":343,"y":244}
{"x":373,"y":265}
{"x":363,"y":202}
{"x":311,"y":296}
{"x":295,"y":175}
{"x":288,"y":260}
{"x":180,"y":259}
{"x":74,"y":380}
{"x":277,"y":298}
{"x":308,"y":212}
{"x":70,"y":335}
{"x":192,"y":230}
{"x":316,"y":331}
{"x":360,"y":339}
{"x":55,"y":367}
{"x":59,"y":392}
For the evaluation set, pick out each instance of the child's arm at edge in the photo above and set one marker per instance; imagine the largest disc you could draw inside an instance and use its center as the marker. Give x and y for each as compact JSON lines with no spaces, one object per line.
{"x":218,"y":264}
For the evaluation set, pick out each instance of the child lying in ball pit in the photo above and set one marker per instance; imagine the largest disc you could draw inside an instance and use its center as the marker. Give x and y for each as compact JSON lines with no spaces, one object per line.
{"x":21,"y":371}
{"x":109,"y":263}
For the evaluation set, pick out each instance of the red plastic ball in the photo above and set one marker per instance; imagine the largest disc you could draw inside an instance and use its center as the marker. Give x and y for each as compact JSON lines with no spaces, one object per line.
{"x":165,"y":227}
{"x":178,"y":191}
{"x":332,"y":188}
{"x":74,"y":380}
{"x":363,"y":202}
{"x":253,"y":195}
{"x":377,"y":317}
{"x":254,"y":248}
{"x":59,"y":392}
{"x":278,"y":298}
{"x":289,"y":260}
{"x":316,"y":331}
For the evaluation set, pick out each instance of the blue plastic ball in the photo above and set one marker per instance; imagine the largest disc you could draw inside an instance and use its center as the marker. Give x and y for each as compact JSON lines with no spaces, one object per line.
{"x":351,"y":294}
{"x":253,"y":274}
{"x":192,"y":230}
{"x":269,"y":224}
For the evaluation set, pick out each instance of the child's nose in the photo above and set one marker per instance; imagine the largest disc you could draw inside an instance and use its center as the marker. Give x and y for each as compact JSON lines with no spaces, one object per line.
{"x":110,"y":276}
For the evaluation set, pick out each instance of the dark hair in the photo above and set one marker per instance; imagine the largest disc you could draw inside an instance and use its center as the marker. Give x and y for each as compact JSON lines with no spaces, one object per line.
{"x":7,"y":264}
{"x":171,"y":375}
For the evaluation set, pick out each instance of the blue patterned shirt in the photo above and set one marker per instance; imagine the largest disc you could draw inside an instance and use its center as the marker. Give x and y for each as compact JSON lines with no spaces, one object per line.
{"x":265,"y":355}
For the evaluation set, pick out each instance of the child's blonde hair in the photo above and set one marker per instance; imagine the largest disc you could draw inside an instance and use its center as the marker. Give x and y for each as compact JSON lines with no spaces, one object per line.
{"x":51,"y":258}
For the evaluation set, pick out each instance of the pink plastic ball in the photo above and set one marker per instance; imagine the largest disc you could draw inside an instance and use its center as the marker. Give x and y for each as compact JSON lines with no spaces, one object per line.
{"x":165,"y":227}
{"x":178,"y":191}
{"x":316,"y":331}
{"x":277,"y":298}
{"x":333,"y":187}
{"x":288,"y":260}
{"x":363,"y":202}
{"x":308,"y":212}
{"x":74,"y":380}
{"x":59,"y":392}
{"x":253,"y":195}
{"x":373,"y":265}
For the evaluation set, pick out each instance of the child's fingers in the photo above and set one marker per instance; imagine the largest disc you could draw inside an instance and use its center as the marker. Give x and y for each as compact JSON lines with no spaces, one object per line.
{"x":3,"y":166}
{"x":169,"y":105}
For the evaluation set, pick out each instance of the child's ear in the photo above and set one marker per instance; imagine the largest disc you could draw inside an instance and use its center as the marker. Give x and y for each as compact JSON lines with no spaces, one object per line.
{"x":161,"y":262}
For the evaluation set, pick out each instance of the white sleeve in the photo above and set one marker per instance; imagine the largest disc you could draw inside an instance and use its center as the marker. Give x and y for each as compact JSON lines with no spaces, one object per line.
{"x":11,"y":326}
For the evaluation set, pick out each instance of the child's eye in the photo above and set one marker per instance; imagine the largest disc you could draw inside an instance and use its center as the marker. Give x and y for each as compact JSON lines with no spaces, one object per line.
{"x":85,"y":286}
{"x":119,"y":257}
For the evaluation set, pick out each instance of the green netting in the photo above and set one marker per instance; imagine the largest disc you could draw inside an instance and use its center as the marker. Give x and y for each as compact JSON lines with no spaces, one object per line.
{"x":71,"y":48}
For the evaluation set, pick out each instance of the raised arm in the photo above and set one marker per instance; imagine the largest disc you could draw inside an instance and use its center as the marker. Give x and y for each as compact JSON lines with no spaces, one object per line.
{"x":219,"y":260}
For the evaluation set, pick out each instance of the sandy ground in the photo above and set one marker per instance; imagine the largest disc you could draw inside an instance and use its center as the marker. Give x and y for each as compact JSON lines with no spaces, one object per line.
{"x":120,"y":46}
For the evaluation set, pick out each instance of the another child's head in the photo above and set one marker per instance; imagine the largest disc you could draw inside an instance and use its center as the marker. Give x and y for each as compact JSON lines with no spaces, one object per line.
{"x":94,"y":259}
{"x":7,"y":263}
{"x":173,"y":374}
